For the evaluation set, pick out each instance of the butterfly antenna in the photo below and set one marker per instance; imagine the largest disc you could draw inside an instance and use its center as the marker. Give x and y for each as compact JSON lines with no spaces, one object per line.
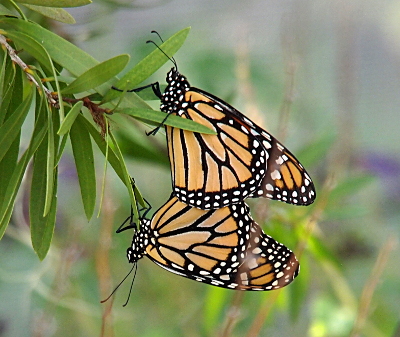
{"x":170,"y":58}
{"x":159,"y":36}
{"x":116,"y":288}
{"x":130,"y":290}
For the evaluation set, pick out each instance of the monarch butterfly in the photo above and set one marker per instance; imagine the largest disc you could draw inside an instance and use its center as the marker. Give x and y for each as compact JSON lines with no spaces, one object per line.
{"x":223,"y":247}
{"x":242,"y":160}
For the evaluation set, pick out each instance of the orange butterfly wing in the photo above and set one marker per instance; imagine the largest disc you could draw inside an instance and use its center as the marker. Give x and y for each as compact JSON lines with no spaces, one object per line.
{"x":241,"y":160}
{"x":223,"y":247}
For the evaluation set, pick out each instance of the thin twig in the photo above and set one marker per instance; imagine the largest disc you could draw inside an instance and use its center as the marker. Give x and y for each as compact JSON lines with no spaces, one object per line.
{"x":263,"y":313}
{"x":370,"y":286}
{"x":247,"y":91}
{"x":233,"y":314}
{"x":53,"y":98}
{"x":311,"y":225}
{"x":347,"y":57}
{"x":289,"y":89}
{"x":243,"y":75}
{"x":28,"y":71}
{"x":95,"y":110}
{"x":103,"y":269}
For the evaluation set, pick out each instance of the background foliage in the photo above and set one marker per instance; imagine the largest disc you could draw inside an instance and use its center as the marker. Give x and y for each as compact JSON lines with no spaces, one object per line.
{"x":322,"y":76}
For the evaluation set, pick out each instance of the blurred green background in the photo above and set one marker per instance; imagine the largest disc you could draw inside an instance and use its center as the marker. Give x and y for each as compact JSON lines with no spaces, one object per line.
{"x":323,"y":77}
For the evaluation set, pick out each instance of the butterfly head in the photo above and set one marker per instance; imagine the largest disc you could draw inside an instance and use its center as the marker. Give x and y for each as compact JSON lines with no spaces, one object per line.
{"x":139,"y":242}
{"x":174,"y":94}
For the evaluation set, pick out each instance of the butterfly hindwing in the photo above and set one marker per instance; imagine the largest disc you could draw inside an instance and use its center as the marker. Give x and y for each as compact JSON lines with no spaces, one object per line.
{"x":223,"y":247}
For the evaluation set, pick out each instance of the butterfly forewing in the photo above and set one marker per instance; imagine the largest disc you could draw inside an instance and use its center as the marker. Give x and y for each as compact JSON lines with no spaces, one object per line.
{"x":241,"y":160}
{"x":222,"y":247}
{"x":212,"y":171}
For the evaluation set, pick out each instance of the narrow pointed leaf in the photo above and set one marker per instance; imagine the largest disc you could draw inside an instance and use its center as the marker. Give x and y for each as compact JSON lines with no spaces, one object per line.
{"x":148,"y":93}
{"x":42,"y":246}
{"x":102,"y":145}
{"x":84,"y":161}
{"x":70,"y":119}
{"x":50,"y":164}
{"x":149,"y":65}
{"x":42,"y":227}
{"x":61,"y":148}
{"x":8,"y":86}
{"x":8,"y":106}
{"x":5,"y":11}
{"x":157,"y":117}
{"x":141,"y":148}
{"x":11,"y":127}
{"x":112,"y":157}
{"x":57,"y":14}
{"x":57,"y":3}
{"x":97,"y":75}
{"x":33,"y":47}
{"x":7,"y":166}
{"x":16,"y":178}
{"x":67,"y":55}
{"x":127,"y":177}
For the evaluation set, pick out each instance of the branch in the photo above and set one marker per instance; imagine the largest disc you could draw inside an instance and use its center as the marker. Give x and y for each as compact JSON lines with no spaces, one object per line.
{"x":28,"y":71}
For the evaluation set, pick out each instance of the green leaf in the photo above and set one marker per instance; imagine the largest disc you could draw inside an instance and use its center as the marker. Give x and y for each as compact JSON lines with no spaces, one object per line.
{"x":149,"y":65}
{"x":61,"y":148}
{"x":158,"y":117}
{"x":298,"y":289}
{"x":70,"y":118}
{"x":97,"y":75}
{"x":215,"y":304}
{"x":56,"y":3}
{"x":311,"y":154}
{"x":9,"y":87}
{"x":36,"y":50}
{"x":102,"y":145}
{"x":42,"y":245}
{"x":321,"y":251}
{"x":50,"y":165}
{"x":7,"y":166}
{"x":7,"y":207}
{"x":5,"y":11}
{"x":84,"y":161}
{"x":67,"y":55}
{"x":112,"y":157}
{"x":350,"y":186}
{"x":33,"y":47}
{"x":141,"y":148}
{"x":42,"y":227}
{"x":148,"y":94}
{"x":127,"y":177}
{"x":10,"y":102}
{"x":12,"y":126}
{"x":57,"y":14}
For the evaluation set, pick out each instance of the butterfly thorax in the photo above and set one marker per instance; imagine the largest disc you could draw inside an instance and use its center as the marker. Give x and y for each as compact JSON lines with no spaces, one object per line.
{"x":139,"y":242}
{"x":174,"y":94}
